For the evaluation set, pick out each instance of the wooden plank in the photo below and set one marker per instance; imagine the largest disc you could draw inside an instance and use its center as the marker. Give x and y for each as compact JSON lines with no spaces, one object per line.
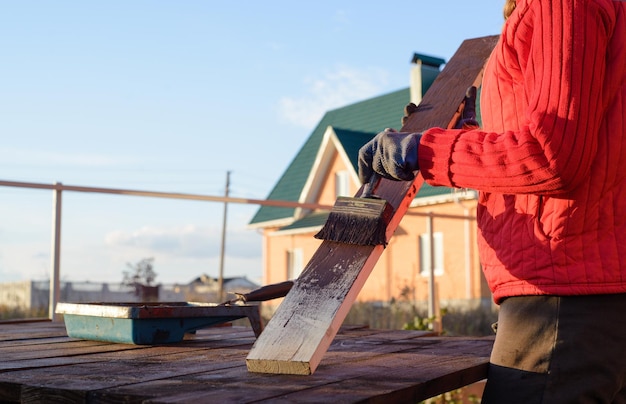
{"x":361,"y":365}
{"x":353,"y":364}
{"x":29,"y":331}
{"x":299,"y":333}
{"x":402,"y":370}
{"x":410,"y":376}
{"x":72,"y":378}
{"x":58,"y":349}
{"x":69,"y":351}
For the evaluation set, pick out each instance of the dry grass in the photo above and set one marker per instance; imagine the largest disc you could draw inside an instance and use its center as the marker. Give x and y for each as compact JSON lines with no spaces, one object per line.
{"x":12,"y":313}
{"x":461,"y":320}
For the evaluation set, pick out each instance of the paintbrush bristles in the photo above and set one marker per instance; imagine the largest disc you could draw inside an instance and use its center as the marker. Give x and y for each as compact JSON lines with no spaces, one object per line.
{"x":361,"y":221}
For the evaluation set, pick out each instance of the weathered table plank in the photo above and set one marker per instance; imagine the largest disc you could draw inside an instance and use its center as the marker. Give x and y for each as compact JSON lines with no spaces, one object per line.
{"x":362,"y":365}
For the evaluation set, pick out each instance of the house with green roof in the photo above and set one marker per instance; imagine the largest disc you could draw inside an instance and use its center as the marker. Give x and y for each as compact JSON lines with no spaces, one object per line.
{"x":326,"y":167}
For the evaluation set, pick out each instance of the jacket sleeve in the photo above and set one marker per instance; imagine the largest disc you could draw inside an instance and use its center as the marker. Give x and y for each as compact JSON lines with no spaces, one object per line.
{"x":560,"y":47}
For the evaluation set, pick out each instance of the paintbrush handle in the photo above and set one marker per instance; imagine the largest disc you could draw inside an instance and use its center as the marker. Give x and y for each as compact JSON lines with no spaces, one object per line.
{"x":262,"y":294}
{"x":268,"y":292}
{"x":370,"y":186}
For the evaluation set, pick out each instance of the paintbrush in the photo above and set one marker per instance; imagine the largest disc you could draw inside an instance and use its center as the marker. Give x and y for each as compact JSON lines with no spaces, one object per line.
{"x":264,"y":293}
{"x":360,"y":220}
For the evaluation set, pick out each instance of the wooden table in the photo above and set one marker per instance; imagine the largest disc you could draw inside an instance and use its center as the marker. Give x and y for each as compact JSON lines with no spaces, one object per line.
{"x":40,"y":363}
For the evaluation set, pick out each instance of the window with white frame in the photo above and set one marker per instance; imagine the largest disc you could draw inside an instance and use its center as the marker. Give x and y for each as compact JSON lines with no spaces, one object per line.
{"x":294,"y":263}
{"x":342,"y":183}
{"x":425,"y":253}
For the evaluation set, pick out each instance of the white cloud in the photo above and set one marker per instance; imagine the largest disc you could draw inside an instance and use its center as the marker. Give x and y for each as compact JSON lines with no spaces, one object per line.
{"x":334,"y":89}
{"x":188,"y":241}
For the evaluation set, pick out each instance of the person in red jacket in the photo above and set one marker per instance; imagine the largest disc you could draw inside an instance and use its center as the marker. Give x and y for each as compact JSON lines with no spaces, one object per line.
{"x":549,"y":163}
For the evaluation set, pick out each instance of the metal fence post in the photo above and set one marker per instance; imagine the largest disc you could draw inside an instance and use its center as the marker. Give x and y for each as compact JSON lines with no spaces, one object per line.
{"x":55,"y":283}
{"x":433,"y":305}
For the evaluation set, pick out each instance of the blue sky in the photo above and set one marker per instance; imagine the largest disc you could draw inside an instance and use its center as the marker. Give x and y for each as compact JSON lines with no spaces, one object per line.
{"x":169,"y":96}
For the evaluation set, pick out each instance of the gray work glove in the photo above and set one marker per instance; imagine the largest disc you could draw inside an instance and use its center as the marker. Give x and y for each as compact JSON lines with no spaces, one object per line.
{"x":393,"y":155}
{"x":408,"y":110}
{"x":390,"y":154}
{"x":467,"y":119}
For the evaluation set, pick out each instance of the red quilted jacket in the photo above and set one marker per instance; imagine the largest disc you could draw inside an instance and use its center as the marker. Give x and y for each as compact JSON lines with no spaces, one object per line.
{"x":550,"y":160}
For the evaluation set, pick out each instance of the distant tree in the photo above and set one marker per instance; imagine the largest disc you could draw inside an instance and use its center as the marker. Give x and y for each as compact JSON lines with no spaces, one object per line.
{"x":141,"y":273}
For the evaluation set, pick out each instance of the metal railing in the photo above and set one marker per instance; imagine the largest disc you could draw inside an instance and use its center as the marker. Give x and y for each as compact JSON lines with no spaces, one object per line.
{"x":58,"y":188}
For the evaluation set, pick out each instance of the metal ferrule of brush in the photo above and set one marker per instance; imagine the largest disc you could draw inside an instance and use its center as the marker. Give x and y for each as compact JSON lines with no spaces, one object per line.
{"x":361,"y":220}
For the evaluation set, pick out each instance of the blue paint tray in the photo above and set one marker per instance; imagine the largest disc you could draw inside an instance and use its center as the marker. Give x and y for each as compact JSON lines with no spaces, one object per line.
{"x":149,"y":323}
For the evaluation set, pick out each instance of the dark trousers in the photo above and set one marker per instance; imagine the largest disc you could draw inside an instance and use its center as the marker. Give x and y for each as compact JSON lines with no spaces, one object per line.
{"x":554,"y":350}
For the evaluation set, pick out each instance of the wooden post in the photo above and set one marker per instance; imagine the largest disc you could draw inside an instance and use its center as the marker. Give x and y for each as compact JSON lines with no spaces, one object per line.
{"x":300,"y":332}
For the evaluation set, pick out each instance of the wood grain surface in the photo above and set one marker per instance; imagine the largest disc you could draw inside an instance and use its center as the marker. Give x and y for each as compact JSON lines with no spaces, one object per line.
{"x":41,"y":364}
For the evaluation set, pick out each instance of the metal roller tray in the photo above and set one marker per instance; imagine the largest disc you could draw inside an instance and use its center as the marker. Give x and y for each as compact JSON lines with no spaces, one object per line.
{"x":149,"y":323}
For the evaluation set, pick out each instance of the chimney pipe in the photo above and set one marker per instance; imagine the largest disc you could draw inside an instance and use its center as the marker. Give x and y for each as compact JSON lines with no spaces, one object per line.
{"x":424,"y":71}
